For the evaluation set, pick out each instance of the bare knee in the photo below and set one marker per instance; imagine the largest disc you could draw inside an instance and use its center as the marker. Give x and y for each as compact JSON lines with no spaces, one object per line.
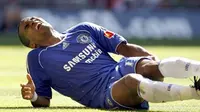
{"x":149,"y":69}
{"x":153,"y":71}
{"x":131,"y":82}
{"x":124,"y":91}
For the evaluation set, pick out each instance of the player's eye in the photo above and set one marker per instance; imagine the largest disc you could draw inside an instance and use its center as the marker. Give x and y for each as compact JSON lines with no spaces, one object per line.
{"x":26,"y":26}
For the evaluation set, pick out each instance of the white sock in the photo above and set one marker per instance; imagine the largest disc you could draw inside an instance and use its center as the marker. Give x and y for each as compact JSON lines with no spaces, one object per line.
{"x":156,"y":92}
{"x":179,"y":67}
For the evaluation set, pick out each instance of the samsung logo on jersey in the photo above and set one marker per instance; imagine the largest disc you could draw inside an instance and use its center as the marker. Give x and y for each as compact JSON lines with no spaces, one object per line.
{"x":88,"y":50}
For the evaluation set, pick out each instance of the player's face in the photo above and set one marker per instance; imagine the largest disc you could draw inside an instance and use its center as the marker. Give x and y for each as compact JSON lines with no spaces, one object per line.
{"x":35,"y":29}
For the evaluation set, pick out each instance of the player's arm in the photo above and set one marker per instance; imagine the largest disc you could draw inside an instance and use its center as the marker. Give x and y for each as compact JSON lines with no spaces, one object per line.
{"x":41,"y":102}
{"x":129,"y":50}
{"x":28,"y":93}
{"x":115,"y":43}
{"x":37,"y":89}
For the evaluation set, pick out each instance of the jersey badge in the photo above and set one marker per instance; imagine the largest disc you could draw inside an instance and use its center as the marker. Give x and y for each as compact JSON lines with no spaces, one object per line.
{"x":84,"y":38}
{"x":108,"y":34}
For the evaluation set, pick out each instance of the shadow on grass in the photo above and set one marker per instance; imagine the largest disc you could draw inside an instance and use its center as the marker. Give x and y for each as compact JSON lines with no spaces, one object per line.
{"x":56,"y":107}
{"x":74,"y":107}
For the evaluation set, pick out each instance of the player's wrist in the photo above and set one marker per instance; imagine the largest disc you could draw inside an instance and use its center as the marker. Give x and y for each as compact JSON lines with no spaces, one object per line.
{"x":35,"y":97}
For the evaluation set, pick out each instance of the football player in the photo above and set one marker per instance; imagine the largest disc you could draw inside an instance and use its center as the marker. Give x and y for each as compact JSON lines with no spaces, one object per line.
{"x":76,"y":64}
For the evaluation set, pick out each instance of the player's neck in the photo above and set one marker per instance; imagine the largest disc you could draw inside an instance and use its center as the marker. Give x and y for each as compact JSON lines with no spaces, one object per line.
{"x":55,"y":38}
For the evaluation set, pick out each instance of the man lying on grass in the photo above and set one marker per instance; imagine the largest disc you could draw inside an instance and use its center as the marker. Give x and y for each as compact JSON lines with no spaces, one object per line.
{"x":76,"y":63}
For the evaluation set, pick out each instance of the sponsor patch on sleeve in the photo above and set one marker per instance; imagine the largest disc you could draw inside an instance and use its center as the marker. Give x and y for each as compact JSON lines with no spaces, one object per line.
{"x":109,"y":34}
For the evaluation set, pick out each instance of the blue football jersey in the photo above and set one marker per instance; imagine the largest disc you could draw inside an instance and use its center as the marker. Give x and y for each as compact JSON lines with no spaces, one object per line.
{"x":79,"y":66}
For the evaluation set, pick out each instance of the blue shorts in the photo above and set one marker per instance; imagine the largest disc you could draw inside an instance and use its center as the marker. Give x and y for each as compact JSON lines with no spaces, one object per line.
{"x":126,"y":66}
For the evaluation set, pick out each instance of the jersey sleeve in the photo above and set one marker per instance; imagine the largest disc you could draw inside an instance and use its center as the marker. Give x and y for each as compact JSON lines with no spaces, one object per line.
{"x":106,"y":38}
{"x":40,"y":79}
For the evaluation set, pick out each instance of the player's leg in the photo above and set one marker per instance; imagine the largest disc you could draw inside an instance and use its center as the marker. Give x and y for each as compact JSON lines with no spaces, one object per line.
{"x":141,"y":65}
{"x":123,"y":94}
{"x":179,"y":67}
{"x":132,"y":89}
{"x":176,"y":67}
{"x":149,"y":68}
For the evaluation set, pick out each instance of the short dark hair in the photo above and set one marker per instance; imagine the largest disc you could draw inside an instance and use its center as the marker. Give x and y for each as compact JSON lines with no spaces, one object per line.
{"x":23,"y":39}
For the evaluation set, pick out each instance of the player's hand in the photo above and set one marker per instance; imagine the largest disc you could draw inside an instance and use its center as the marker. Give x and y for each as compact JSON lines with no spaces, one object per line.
{"x":155,"y":58}
{"x":27,"y":90}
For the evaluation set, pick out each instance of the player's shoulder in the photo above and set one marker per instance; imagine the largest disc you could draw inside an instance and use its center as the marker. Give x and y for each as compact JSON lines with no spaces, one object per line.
{"x":89,"y":25}
{"x":34,"y":53}
{"x":33,"y":59}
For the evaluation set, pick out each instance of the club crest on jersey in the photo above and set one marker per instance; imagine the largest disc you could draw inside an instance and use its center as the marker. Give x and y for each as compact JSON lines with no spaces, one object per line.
{"x":108,"y":34}
{"x":84,"y":38}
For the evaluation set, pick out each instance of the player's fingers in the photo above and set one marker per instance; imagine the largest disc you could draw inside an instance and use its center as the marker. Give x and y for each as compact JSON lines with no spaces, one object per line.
{"x":27,"y":92}
{"x":24,"y":93}
{"x":25,"y":88}
{"x":30,"y":81}
{"x":153,"y":58}
{"x":28,"y":97}
{"x":22,"y":89}
{"x":22,"y":85}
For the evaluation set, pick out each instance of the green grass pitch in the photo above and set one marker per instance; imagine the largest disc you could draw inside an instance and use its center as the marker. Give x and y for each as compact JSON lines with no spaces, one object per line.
{"x":13,"y":72}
